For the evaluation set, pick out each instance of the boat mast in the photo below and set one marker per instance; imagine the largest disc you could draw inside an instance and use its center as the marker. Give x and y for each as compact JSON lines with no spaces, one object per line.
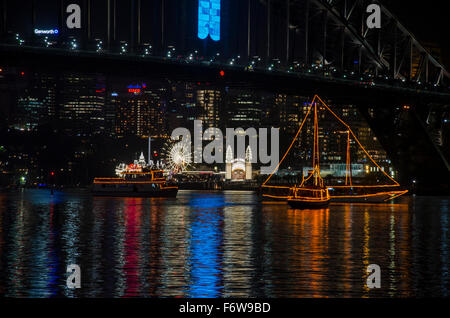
{"x":348,"y":173}
{"x":316,"y":168}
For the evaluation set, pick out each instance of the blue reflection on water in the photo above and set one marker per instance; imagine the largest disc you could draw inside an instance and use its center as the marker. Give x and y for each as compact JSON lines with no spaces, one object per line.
{"x":43,"y":197}
{"x":207,"y":201}
{"x":206,"y":236}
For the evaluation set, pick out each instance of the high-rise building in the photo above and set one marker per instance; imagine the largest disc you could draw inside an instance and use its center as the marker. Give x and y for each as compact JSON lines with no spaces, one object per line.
{"x":243,"y":109}
{"x":112,"y":105}
{"x":82,"y":103}
{"x":141,"y":112}
{"x":36,"y":104}
{"x":29,"y":113}
{"x":209,"y":102}
{"x":45,"y":88}
{"x":182,"y":105}
{"x":155,"y":122}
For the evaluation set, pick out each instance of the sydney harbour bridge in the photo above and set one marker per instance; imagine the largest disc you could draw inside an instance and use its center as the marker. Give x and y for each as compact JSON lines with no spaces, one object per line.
{"x":295,"y":46}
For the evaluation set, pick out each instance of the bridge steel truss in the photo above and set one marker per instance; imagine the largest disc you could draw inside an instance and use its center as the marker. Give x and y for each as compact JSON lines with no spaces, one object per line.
{"x":328,"y":32}
{"x":335,"y":32}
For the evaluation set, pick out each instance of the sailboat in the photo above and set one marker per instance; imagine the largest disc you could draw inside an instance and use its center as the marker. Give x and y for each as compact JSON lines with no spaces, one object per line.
{"x":349,"y":192}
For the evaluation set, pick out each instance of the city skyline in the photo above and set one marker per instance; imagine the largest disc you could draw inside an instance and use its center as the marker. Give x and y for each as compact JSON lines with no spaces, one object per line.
{"x":224,"y":148}
{"x":90,"y":105}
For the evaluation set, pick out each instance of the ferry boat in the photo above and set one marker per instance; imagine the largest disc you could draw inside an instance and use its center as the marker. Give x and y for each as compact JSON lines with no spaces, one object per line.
{"x":135,"y":180}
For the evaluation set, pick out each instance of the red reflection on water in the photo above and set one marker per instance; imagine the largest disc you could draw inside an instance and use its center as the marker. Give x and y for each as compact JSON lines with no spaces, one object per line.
{"x":133,"y":226}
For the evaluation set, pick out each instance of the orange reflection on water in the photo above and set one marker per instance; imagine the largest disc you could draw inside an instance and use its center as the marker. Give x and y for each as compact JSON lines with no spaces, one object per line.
{"x":366,"y":248}
{"x":331,"y":249}
{"x":311,"y":229}
{"x":391,"y":221}
{"x":347,"y":247}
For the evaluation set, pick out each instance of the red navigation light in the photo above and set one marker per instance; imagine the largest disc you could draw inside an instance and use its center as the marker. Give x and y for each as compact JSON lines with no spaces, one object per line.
{"x":222,"y":73}
{"x":52,"y":173}
{"x":22,"y":73}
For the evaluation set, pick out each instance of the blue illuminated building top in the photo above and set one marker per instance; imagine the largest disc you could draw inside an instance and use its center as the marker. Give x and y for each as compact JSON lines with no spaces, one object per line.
{"x":209,"y":19}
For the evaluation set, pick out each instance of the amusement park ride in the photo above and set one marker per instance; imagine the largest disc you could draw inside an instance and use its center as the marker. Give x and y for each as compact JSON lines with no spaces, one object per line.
{"x":312,"y":192}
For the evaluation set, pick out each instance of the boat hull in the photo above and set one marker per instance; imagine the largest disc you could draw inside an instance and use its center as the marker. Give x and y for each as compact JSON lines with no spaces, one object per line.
{"x":372,"y":198}
{"x":302,"y":204}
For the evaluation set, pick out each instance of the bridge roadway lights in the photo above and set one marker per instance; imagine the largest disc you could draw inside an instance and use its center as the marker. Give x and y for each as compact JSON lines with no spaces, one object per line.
{"x":340,"y":90}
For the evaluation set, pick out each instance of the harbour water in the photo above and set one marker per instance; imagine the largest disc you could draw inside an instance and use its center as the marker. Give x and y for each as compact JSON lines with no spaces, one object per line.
{"x":220,"y":244}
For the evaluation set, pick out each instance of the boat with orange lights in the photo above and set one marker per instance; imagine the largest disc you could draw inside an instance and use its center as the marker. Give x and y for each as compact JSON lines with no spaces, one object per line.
{"x":348,"y":192}
{"x":135,"y":180}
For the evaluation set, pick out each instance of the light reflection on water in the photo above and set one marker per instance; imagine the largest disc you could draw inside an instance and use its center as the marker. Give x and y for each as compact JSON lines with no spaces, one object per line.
{"x":219,"y":245}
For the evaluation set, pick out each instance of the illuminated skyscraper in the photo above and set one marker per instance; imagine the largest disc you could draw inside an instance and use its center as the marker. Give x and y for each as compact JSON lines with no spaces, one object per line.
{"x":141,"y":112}
{"x":209,"y":102}
{"x":29,"y":114}
{"x":45,"y":88}
{"x":81,"y":104}
{"x":36,"y":105}
{"x":243,"y":109}
{"x":182,"y":110}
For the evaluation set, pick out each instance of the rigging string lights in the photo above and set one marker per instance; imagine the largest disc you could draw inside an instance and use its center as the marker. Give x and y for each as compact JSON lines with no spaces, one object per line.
{"x":348,"y":182}
{"x":356,"y":139}
{"x":292,"y":144}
